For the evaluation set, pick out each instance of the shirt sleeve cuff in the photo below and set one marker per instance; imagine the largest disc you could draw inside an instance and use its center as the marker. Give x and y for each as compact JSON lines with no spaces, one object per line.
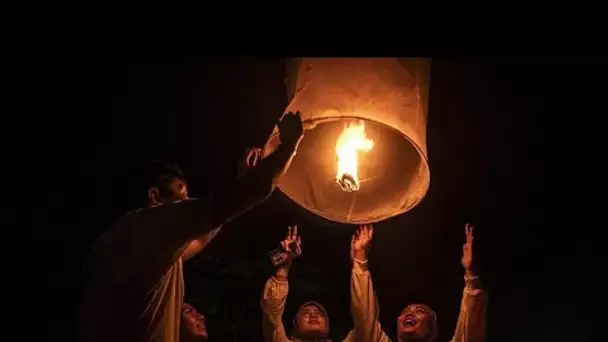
{"x":278,"y":281}
{"x":275,"y":289}
{"x":472,"y":285}
{"x":357,"y":267}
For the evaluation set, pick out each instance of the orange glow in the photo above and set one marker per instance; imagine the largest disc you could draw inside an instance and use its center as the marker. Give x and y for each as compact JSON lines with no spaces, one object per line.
{"x":349,"y":144}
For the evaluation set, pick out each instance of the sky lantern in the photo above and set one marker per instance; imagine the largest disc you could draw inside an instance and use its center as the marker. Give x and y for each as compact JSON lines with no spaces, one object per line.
{"x":363,"y":158}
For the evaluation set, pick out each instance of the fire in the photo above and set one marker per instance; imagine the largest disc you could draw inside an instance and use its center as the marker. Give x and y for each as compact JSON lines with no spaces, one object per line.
{"x":350,"y":143}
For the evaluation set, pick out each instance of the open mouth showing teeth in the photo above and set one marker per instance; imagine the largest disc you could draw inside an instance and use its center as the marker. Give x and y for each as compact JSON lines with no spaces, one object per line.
{"x":409,"y":322}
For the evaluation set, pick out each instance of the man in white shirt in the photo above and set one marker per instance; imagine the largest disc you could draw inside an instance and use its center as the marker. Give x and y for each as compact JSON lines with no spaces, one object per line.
{"x":134,"y":289}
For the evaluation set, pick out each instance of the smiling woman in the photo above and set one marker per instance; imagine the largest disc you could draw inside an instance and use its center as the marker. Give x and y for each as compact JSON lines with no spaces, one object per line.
{"x":192,"y":327}
{"x":363,"y":158}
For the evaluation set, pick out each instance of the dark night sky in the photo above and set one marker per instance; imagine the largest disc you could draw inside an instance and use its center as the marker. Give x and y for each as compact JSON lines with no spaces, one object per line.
{"x":494,"y":126}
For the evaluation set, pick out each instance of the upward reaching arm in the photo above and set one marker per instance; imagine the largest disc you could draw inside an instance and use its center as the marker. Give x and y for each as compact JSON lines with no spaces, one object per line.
{"x":471,"y":325}
{"x":259,"y":183}
{"x":276,"y":289}
{"x":364,"y":304}
{"x":255,"y":187}
{"x":272,"y":302}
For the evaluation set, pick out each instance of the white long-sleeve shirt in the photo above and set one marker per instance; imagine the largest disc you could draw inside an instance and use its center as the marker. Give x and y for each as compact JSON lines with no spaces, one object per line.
{"x":471,"y":325}
{"x":273,"y":301}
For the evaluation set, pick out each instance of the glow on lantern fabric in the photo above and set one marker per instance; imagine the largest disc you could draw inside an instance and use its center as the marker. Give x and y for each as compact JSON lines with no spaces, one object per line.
{"x":389,"y":95}
{"x":351,"y":142}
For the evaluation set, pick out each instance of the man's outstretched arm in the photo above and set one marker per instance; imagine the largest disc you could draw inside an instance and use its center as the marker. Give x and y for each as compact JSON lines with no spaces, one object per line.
{"x":255,"y":187}
{"x":259,"y":183}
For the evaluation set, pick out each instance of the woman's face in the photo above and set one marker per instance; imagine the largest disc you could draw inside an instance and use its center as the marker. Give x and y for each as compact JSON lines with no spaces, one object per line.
{"x":414,"y":322}
{"x":194,"y":322}
{"x":312,"y":321}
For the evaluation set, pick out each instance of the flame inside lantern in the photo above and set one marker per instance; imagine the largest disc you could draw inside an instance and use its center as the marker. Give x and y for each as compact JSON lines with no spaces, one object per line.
{"x":349,"y":144}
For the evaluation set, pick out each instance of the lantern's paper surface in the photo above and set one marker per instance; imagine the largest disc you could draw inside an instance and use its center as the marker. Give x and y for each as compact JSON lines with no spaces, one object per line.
{"x":389,"y":95}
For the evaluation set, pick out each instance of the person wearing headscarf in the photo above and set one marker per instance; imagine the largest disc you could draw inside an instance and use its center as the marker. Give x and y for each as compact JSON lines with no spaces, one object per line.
{"x":416,"y":322}
{"x":311,"y":322}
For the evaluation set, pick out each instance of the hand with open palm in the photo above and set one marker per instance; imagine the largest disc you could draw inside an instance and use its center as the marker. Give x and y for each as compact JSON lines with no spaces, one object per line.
{"x":361,"y":242}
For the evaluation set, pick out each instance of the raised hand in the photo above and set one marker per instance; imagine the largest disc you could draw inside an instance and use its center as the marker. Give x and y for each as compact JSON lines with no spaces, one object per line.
{"x":360,"y":242}
{"x":292,"y":242}
{"x":291,"y":129}
{"x":289,"y":249}
{"x":467,"y":248}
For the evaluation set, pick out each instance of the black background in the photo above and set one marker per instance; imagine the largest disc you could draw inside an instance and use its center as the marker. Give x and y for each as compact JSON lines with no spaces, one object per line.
{"x":512,"y":145}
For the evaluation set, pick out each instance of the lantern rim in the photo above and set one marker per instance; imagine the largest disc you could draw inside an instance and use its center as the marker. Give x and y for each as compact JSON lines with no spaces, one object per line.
{"x":310,"y":124}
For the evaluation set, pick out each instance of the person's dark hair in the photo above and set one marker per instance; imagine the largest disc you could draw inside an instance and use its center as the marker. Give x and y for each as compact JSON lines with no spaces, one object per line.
{"x":146,"y":175}
{"x":159,"y":174}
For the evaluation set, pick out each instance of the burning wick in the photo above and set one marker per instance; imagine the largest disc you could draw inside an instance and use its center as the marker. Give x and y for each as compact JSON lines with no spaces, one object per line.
{"x":350,"y":143}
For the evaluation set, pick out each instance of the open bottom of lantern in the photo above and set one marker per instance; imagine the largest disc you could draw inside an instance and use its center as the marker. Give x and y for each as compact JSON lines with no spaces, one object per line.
{"x":393,"y":175}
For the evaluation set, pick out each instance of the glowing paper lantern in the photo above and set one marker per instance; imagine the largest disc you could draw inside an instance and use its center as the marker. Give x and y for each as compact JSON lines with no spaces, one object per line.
{"x":363,"y":157}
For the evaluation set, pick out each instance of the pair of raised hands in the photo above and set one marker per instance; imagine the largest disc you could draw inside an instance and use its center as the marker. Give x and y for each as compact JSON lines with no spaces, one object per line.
{"x":360,"y":243}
